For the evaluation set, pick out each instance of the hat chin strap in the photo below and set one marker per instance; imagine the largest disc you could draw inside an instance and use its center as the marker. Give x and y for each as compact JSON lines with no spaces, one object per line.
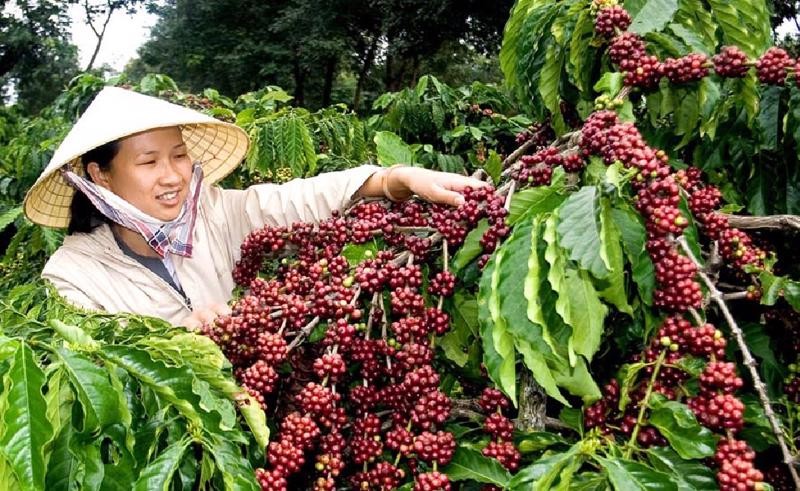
{"x":174,"y":236}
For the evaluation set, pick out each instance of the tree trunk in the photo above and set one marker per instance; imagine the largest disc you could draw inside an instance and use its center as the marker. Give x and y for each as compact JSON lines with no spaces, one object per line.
{"x":366,"y":66}
{"x":99,"y":34}
{"x":330,"y":72}
{"x":532,"y":404}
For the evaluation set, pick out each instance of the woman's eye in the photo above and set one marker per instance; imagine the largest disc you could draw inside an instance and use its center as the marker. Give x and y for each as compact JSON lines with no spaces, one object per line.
{"x":149,"y":162}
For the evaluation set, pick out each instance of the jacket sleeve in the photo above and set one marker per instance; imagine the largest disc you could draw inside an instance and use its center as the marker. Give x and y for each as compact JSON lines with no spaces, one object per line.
{"x":71,"y":293}
{"x":299,"y":200}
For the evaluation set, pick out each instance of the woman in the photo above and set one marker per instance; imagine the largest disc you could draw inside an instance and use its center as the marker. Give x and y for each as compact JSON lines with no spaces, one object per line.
{"x":149,"y":233}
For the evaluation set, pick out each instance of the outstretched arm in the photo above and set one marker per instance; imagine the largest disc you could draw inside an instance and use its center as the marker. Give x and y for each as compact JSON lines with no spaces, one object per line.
{"x":400,"y":183}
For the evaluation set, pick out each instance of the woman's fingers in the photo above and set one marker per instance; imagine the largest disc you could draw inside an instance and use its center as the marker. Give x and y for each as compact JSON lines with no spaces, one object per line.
{"x":205,"y":315}
{"x":439,"y":194}
{"x":444,"y":188}
{"x":459,"y":183}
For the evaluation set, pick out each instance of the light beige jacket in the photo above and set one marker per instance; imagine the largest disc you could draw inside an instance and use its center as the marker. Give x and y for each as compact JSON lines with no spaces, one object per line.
{"x":91,"y":271}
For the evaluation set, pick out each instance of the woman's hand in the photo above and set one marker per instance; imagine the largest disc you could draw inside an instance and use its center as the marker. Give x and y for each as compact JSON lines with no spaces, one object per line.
{"x":403,"y":182}
{"x":205,"y":315}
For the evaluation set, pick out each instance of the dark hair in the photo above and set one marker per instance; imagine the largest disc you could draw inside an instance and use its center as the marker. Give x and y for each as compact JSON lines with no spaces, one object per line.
{"x":84,"y":217}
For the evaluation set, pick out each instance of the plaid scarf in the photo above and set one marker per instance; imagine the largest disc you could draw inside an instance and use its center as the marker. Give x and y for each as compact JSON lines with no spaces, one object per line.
{"x":164,"y":237}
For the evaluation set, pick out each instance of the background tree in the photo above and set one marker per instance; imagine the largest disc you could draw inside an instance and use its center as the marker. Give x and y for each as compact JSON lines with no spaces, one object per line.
{"x":307,"y":46}
{"x":99,"y":13}
{"x":36,"y":55}
{"x":224,"y":44}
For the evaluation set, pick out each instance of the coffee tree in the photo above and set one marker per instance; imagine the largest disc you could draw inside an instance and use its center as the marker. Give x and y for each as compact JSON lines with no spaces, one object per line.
{"x":596,"y":317}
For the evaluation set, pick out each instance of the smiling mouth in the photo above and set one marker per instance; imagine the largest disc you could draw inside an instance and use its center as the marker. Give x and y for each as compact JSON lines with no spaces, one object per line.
{"x":167,"y":196}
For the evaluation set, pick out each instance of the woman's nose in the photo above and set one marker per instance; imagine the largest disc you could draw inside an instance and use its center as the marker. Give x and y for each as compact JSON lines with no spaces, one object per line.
{"x":171,"y":172}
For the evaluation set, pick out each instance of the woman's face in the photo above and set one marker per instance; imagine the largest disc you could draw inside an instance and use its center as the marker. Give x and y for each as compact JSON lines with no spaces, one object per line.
{"x":151,"y":171}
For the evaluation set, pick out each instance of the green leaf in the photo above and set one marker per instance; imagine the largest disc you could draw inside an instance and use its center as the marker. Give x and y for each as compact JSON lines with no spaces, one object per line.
{"x":586,"y":313}
{"x":549,"y":79}
{"x":27,"y":430}
{"x":792,"y":294}
{"x":73,"y":334}
{"x":59,"y":398}
{"x":540,"y":199}
{"x":634,"y":237}
{"x":516,"y":269}
{"x":573,"y":418}
{"x":499,"y":360}
{"x":578,"y":381}
{"x":533,"y":284}
{"x":391,"y":149}
{"x":612,"y":289}
{"x":689,"y":476}
{"x":556,"y":276}
{"x":7,"y":217}
{"x":158,"y":474}
{"x":732,"y":18}
{"x":455,"y":344}
{"x":543,"y":473}
{"x":535,"y":441}
{"x":579,"y":231}
{"x":475,"y":132}
{"x":493,"y":166}
{"x":680,"y":427}
{"x":172,"y":384}
{"x":757,"y":430}
{"x":653,"y":16}
{"x":581,"y":52}
{"x":471,"y":248}
{"x":97,"y":396}
{"x":210,"y":401}
{"x":296,"y":147}
{"x":356,"y":253}
{"x":589,"y":481}
{"x":63,"y":465}
{"x":760,"y":346}
{"x":470,"y":465}
{"x":237,"y":473}
{"x":627,"y":377}
{"x":456,"y":341}
{"x":769,"y":117}
{"x":93,"y":470}
{"x":626,"y":475}
{"x":536,"y":363}
{"x":610,"y":83}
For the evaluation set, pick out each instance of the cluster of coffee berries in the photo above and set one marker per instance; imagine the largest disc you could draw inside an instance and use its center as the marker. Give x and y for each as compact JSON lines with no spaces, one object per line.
{"x":715,"y":406}
{"x":501,"y":445}
{"x":735,"y":246}
{"x":734,"y":459}
{"x":657,"y":199}
{"x":628,"y":51}
{"x":537,"y":169}
{"x":675,"y":339}
{"x":610,"y":20}
{"x":362,"y":406}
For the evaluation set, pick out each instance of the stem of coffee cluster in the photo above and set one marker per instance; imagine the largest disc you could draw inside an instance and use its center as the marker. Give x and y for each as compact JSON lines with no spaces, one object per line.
{"x":761,"y":389}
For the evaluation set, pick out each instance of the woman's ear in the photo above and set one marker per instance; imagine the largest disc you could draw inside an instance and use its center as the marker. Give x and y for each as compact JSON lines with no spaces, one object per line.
{"x":99,"y":176}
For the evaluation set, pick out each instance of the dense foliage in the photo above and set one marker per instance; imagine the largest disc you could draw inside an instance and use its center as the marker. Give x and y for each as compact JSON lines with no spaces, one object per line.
{"x":635,"y":334}
{"x":322,"y":50}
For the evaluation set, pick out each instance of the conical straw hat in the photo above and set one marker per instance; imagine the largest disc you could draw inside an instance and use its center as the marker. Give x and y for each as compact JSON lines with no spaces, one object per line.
{"x":116,"y":113}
